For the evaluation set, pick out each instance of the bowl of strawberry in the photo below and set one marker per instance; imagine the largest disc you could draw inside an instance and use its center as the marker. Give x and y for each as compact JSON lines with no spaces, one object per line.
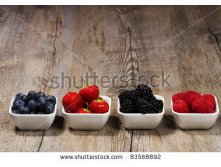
{"x":86,"y":110}
{"x":193,"y":110}
{"x":34,"y":111}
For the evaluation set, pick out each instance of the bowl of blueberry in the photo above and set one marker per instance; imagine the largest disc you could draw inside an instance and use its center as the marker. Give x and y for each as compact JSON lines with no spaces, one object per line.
{"x":34,"y":111}
{"x":140,"y":108}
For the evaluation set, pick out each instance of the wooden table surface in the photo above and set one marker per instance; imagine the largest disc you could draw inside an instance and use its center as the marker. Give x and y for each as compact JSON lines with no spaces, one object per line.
{"x":38,"y":42}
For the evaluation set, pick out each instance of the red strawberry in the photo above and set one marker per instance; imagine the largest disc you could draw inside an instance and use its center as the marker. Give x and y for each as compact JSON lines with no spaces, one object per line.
{"x":181,"y":106}
{"x":178,"y":96}
{"x":72,"y":102}
{"x":191,"y":96}
{"x":89,"y":93}
{"x":99,"y":106}
{"x":210,"y":100}
{"x":83,"y":111}
{"x":201,"y":105}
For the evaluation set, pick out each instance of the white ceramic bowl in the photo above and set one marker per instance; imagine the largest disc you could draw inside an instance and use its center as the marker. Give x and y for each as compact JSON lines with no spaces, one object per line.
{"x":87,"y":121}
{"x":195,"y":120}
{"x":141,"y":121}
{"x":32,"y":121}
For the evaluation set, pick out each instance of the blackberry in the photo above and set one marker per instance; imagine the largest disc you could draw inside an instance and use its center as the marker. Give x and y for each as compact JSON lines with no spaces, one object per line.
{"x":127,"y":101}
{"x":157,"y":105}
{"x":145,"y":92}
{"x":140,"y":100}
{"x":127,"y":106}
{"x":143,"y":106}
{"x":134,"y":94}
{"x":124,"y":94}
{"x":128,"y":94}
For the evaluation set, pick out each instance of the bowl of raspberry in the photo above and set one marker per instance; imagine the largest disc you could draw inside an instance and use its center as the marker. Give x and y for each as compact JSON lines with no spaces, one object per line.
{"x":193,"y":110}
{"x":34,"y":111}
{"x":86,"y":110}
{"x":140,"y":108}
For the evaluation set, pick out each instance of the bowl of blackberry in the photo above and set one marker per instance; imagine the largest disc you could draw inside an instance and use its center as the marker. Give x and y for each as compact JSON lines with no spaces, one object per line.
{"x":140,"y":108}
{"x":34,"y":111}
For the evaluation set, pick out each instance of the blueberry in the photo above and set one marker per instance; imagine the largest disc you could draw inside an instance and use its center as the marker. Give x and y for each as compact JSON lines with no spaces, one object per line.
{"x":18,"y":104}
{"x":33,"y":112}
{"x":40,"y":94}
{"x":32,"y":95}
{"x":49,"y":108}
{"x":32,"y":105}
{"x":42,"y":102}
{"x":51,"y":99}
{"x":24,"y":110}
{"x":14,"y":108}
{"x":40,"y":113}
{"x":21,"y":96}
{"x":15,"y":111}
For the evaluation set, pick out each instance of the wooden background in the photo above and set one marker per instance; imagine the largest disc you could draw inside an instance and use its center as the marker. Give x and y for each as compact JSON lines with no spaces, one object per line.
{"x":38,"y":42}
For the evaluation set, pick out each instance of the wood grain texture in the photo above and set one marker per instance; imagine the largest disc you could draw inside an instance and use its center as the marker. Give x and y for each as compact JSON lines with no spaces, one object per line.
{"x":138,"y":42}
{"x":25,"y":53}
{"x":81,"y":42}
{"x":189,"y":50}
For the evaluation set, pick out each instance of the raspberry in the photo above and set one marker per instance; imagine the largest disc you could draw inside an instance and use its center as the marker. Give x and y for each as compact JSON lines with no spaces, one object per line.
{"x":210,"y":100}
{"x":180,"y":106}
{"x":190,"y":96}
{"x":201,"y":105}
{"x":178,"y":96}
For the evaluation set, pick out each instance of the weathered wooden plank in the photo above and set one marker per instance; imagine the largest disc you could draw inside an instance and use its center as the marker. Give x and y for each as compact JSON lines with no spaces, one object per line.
{"x":195,"y":71}
{"x":26,"y":35}
{"x":86,"y":43}
{"x":153,"y":52}
{"x":213,"y":59}
{"x":178,"y":45}
{"x":38,"y":43}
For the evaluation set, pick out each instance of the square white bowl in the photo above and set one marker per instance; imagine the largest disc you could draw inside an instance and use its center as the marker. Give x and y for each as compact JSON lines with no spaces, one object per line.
{"x":195,"y":120}
{"x":87,"y":121}
{"x":32,"y":121}
{"x":141,"y":121}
